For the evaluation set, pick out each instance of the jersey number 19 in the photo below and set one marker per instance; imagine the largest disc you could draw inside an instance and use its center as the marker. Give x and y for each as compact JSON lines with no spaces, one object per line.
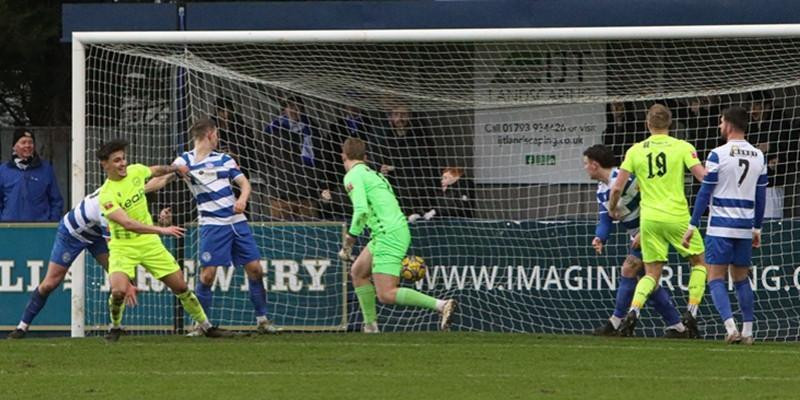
{"x":660,"y":164}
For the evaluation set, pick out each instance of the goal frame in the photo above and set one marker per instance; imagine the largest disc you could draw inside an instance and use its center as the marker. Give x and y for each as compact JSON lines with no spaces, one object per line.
{"x":81,"y":39}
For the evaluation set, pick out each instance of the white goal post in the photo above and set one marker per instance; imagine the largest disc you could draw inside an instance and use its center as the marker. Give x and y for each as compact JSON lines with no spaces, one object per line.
{"x":456,"y":82}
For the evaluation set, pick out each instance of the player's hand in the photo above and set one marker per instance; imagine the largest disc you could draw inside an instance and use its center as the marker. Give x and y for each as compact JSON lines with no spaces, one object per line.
{"x":239,"y":206}
{"x":687,"y":237}
{"x":130,"y":296}
{"x":756,"y":239}
{"x":175,"y":231}
{"x":385,"y":169}
{"x":182,"y":170}
{"x":636,"y":242}
{"x":598,"y":245}
{"x":614,"y":213}
{"x":346,"y":253}
{"x":165,"y":217}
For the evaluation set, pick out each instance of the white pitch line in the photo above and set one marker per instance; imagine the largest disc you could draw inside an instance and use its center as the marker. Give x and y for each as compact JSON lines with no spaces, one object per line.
{"x":395,"y":374}
{"x":653,"y":347}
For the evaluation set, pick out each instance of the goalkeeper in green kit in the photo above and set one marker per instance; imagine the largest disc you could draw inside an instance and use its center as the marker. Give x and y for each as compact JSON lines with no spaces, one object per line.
{"x":375,"y":206}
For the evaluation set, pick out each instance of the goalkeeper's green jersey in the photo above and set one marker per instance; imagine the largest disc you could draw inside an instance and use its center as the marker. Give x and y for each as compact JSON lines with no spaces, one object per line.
{"x":127,"y":194}
{"x":658,"y":163}
{"x":374,"y":202}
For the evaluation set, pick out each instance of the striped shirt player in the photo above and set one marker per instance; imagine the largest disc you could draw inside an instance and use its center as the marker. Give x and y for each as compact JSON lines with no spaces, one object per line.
{"x":735,"y":191}
{"x":599,"y":165}
{"x":225,"y":236}
{"x":628,"y":206}
{"x":736,"y":171}
{"x":80,"y":228}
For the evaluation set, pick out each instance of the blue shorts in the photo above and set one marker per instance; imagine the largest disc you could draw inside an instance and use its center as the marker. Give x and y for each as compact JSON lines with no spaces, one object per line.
{"x":726,"y":251}
{"x":634,"y":252}
{"x":66,"y":248}
{"x":223,"y":245}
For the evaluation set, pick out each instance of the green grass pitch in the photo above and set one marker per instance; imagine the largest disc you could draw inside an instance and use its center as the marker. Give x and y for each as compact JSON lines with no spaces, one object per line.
{"x":396,"y":366}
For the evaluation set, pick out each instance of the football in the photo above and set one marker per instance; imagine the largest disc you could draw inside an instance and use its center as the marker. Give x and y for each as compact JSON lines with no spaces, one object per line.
{"x":414,"y":268}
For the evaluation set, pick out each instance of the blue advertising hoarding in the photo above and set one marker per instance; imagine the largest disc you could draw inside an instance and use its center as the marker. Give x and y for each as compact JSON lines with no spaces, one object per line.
{"x":508,"y":276}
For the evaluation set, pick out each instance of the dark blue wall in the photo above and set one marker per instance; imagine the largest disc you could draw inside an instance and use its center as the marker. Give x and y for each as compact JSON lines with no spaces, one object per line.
{"x":426,"y":14}
{"x":117,"y":17}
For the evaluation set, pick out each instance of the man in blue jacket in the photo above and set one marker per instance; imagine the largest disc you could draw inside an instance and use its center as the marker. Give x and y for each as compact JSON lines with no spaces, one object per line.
{"x":28,"y":188}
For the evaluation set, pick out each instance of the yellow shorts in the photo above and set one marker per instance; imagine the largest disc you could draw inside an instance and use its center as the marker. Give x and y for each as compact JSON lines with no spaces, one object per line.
{"x":151,"y":255}
{"x":657,"y":236}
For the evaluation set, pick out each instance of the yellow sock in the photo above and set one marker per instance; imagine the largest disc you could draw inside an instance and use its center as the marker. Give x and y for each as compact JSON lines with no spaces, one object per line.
{"x":697,"y":284}
{"x":642,"y":292}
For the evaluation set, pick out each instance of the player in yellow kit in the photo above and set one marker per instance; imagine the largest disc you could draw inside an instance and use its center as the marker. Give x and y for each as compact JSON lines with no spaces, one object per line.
{"x":134,"y":238}
{"x":658,"y":163}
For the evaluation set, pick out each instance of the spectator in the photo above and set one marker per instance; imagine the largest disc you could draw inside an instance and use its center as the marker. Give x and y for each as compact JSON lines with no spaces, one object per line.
{"x":765,"y":124}
{"x":700,"y":120}
{"x":238,"y":140}
{"x":294,"y":162}
{"x":407,"y":156}
{"x":455,"y":197}
{"x":29,"y":191}
{"x":333,"y":201}
{"x":621,"y":128}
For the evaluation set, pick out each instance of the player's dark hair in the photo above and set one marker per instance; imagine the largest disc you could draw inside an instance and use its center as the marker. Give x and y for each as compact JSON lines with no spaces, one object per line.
{"x":112,"y":146}
{"x":659,"y":117}
{"x":201,"y":128}
{"x":737,"y":116}
{"x":354,"y":149}
{"x":602,"y":155}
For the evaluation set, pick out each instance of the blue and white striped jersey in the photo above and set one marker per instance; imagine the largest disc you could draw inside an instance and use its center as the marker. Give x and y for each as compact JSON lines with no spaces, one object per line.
{"x":84,"y":222}
{"x":628,"y":202}
{"x":735,"y":168}
{"x":210,"y":182}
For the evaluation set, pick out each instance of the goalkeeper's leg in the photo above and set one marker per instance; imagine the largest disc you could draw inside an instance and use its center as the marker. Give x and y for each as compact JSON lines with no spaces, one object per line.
{"x":360,"y":272}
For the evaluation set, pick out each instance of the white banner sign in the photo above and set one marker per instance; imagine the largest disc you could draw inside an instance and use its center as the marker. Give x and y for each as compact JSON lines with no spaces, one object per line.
{"x":539,"y":143}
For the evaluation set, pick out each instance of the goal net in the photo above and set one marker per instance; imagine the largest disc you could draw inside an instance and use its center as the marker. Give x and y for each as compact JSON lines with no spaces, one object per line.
{"x":482,"y":138}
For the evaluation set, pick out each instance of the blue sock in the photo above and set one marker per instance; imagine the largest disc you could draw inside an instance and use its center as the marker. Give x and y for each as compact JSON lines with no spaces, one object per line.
{"x":746,"y":301}
{"x":258,"y":296}
{"x":719,"y":293}
{"x":661,"y":300}
{"x":36,"y":303}
{"x":624,"y":296}
{"x":204,"y":296}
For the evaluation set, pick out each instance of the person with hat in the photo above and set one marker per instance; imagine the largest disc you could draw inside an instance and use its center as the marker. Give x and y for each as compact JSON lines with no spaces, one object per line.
{"x":28,"y":188}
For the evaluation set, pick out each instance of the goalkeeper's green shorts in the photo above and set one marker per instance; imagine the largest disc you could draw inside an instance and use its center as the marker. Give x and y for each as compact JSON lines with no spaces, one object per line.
{"x":388,"y":250}
{"x":657,"y":236}
{"x":151,"y":254}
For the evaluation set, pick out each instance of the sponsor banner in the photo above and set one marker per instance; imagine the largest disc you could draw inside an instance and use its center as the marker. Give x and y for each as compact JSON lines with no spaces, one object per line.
{"x":508,"y":276}
{"x":541,"y":141}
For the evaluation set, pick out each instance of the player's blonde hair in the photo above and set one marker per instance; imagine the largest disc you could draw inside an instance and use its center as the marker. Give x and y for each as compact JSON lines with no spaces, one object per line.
{"x":659,"y":117}
{"x":354,"y":149}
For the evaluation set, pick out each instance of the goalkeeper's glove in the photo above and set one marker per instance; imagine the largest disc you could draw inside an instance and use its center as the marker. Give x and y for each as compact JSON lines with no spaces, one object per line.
{"x":346,"y":253}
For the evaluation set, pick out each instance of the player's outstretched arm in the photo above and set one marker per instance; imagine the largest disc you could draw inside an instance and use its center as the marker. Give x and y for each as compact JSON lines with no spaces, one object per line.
{"x":121,"y":217}
{"x":156,"y":184}
{"x":616,"y":192}
{"x":161,"y":170}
